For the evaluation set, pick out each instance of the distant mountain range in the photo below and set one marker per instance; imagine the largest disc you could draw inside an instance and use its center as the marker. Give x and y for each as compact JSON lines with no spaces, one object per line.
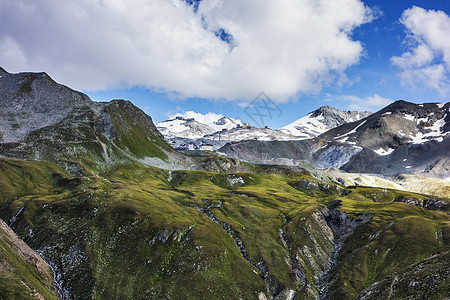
{"x":401,"y":138}
{"x":188,"y":131}
{"x":181,"y":127}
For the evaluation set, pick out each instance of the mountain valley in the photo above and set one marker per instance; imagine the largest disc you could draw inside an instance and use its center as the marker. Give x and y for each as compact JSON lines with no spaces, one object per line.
{"x":113,"y":211}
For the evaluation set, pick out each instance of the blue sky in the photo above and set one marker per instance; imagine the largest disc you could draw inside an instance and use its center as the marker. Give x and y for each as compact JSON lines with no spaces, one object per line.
{"x":206,"y":56}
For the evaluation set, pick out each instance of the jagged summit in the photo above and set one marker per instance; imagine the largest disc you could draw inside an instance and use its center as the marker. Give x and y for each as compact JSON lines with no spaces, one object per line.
{"x":29,"y":101}
{"x":227,"y":121}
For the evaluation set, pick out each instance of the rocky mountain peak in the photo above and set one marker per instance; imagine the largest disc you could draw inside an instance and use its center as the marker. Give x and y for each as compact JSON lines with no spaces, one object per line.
{"x":322,"y":120}
{"x":29,"y":101}
{"x":224,"y":121}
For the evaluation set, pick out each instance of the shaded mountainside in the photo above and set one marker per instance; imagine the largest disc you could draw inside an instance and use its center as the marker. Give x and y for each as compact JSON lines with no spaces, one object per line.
{"x":402,"y":137}
{"x":78,"y":189}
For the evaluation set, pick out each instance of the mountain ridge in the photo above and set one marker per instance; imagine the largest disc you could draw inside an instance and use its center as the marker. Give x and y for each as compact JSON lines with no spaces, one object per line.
{"x":321,"y":120}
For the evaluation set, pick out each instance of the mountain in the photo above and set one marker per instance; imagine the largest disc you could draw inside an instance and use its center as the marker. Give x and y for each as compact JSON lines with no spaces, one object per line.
{"x":83,"y":192}
{"x":40,"y":119}
{"x":181,"y":131}
{"x":401,"y":138}
{"x":322,"y":120}
{"x":188,"y":131}
{"x":180,"y":128}
{"x":188,"y":127}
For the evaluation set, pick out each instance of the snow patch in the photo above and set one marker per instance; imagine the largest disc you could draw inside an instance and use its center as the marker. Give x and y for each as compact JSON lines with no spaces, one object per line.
{"x":409,"y":117}
{"x":307,"y":127}
{"x":435,"y":133}
{"x":351,"y":132}
{"x":383,"y":152}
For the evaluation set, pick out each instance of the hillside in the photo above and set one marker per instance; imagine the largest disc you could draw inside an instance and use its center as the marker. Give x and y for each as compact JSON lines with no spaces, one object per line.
{"x":23,"y":273}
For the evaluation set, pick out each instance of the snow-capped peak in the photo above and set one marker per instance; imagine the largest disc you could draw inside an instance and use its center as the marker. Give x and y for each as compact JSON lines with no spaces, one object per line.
{"x":322,"y":120}
{"x":194,"y":125}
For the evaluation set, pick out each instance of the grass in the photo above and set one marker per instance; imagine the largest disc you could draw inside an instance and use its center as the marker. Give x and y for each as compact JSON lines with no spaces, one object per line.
{"x":133,"y":133}
{"x":19,"y":277}
{"x":133,"y":232}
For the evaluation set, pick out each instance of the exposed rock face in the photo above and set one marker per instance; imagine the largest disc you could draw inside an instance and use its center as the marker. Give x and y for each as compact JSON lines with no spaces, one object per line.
{"x":41,"y":119}
{"x":23,"y":273}
{"x":30,"y":101}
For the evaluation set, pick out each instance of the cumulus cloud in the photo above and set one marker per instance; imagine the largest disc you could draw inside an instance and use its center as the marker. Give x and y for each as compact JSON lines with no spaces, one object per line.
{"x":207,"y":118}
{"x":427,"y":60}
{"x":229,"y":49}
{"x":11,"y":52}
{"x":369,"y":103}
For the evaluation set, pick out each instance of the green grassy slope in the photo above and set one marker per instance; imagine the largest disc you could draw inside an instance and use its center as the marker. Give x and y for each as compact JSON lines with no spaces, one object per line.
{"x":23,"y":274}
{"x":135,"y":232}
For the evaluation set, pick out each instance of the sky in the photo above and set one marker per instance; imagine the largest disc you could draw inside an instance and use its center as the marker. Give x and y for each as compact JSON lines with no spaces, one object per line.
{"x":268,"y":62}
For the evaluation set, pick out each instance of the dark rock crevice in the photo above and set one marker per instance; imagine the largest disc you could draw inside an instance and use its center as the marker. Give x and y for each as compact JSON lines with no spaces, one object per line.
{"x":299,"y":276}
{"x":342,"y":226}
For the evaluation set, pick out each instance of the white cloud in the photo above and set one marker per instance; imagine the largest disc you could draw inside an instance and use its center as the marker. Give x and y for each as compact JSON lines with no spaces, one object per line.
{"x":370,"y":103}
{"x":11,"y":52}
{"x":283,"y":47}
{"x":207,"y":118}
{"x":427,"y":60}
